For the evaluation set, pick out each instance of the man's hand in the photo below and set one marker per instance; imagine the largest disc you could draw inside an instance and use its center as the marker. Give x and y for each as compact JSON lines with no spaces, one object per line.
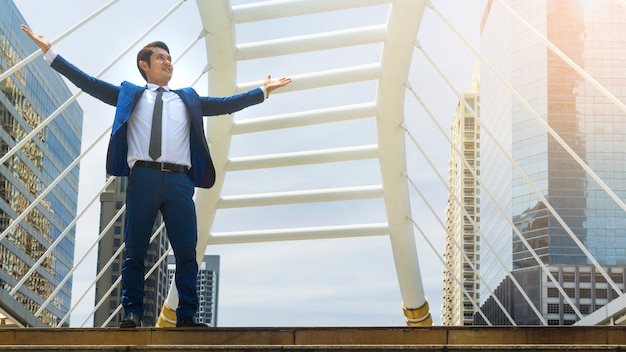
{"x":41,"y":42}
{"x":271,"y":84}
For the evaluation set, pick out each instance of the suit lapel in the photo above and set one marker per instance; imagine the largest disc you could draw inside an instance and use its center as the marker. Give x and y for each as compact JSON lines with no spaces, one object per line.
{"x":128,"y":98}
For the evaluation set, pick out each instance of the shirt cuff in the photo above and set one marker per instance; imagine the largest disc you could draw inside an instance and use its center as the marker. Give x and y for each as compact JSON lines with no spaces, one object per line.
{"x":264,"y":92}
{"x":50,"y":55}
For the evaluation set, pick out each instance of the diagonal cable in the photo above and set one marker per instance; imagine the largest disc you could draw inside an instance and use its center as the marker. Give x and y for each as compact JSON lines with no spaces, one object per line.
{"x":45,"y":122}
{"x":45,"y":192}
{"x":472,"y":221}
{"x":61,"y":237}
{"x":35,"y":54}
{"x":117,"y":282}
{"x":565,"y":58}
{"x":448,"y":234}
{"x":105,"y":296}
{"x":575,"y":156}
{"x":458,"y":281}
{"x":76,"y":265}
{"x":514,"y":164}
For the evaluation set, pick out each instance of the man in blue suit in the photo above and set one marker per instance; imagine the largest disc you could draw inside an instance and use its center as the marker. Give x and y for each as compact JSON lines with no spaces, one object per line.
{"x":162,"y":168}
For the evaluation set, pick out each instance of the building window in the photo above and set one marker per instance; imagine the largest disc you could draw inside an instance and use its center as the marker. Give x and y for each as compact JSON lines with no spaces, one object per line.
{"x":584,"y":277}
{"x":585,"y":309}
{"x":618,"y":278}
{"x":567,"y":309}
{"x":553,"y":308}
{"x":585,"y":292}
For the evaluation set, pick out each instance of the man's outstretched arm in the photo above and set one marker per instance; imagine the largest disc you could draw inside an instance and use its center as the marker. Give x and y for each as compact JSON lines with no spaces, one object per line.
{"x":212,"y":106}
{"x":104,"y":91}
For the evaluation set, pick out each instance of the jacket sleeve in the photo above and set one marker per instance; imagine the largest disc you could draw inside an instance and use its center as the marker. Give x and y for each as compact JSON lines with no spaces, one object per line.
{"x":212,"y":106}
{"x":99,"y":89}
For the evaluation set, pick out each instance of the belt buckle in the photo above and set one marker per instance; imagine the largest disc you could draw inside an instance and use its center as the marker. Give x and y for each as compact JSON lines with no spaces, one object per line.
{"x":163,"y":168}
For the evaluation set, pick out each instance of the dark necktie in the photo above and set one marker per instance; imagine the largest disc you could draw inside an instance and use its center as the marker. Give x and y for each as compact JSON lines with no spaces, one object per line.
{"x":155,"y":134}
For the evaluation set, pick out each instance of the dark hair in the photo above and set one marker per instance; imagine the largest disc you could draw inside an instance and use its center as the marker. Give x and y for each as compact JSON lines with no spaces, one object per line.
{"x":145,"y":53}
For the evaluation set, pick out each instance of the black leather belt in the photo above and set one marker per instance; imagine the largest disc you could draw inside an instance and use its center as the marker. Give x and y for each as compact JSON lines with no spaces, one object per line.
{"x":169,"y":167}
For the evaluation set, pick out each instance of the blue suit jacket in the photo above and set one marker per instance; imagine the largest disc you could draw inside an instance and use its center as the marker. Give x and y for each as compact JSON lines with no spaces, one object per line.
{"x":126,"y":96}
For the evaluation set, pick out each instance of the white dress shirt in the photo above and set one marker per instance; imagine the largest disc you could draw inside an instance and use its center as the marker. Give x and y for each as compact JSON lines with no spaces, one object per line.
{"x":175,"y":136}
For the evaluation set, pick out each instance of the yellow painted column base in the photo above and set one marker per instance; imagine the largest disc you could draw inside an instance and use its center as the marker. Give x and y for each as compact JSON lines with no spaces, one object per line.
{"x":418,"y":316}
{"x":167,"y":318}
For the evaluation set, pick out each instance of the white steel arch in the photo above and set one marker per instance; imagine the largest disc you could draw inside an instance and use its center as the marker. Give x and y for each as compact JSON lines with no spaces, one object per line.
{"x":389,"y":74}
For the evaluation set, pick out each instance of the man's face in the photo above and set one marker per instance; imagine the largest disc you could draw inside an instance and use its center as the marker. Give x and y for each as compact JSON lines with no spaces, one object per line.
{"x":161,"y":69}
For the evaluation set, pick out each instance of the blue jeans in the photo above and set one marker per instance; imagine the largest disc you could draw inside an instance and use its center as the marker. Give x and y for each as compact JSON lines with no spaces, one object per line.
{"x":148,"y":192}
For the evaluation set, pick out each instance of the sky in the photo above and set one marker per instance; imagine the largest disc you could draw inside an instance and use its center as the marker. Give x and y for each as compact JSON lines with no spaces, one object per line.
{"x":338,"y":282}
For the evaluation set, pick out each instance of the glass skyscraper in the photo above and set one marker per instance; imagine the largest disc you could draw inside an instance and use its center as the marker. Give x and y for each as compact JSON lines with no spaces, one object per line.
{"x":591,"y":34}
{"x":27,"y":98}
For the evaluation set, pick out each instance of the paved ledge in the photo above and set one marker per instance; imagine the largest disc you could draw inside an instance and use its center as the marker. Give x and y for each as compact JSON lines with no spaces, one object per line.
{"x":612,"y":338}
{"x":320,"y":348}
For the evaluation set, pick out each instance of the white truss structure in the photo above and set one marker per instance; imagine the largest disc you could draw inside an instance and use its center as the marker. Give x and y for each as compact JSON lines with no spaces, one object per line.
{"x":390,"y":73}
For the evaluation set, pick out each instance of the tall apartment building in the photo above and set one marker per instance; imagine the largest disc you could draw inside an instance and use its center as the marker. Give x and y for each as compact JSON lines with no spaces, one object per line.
{"x":112,"y":200}
{"x":461,"y":283}
{"x":28,"y":97}
{"x":590,"y":33}
{"x":207,"y":286}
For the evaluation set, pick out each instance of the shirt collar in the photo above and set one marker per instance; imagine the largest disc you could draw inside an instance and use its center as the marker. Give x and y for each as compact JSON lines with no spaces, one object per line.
{"x":152,"y":86}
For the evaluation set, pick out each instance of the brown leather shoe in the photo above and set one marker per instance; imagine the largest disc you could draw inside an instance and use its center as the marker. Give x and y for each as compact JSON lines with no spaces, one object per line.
{"x":132,"y":320}
{"x":189,"y":322}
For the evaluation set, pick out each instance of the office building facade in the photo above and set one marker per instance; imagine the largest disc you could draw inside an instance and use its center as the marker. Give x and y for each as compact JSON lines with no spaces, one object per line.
{"x":461,"y":282}
{"x":110,"y":249}
{"x":207,"y":286}
{"x":588,"y":122}
{"x":28,"y":97}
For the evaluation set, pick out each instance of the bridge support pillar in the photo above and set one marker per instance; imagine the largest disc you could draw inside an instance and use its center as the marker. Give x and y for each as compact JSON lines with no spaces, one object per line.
{"x":167,"y":317}
{"x":418,"y":316}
